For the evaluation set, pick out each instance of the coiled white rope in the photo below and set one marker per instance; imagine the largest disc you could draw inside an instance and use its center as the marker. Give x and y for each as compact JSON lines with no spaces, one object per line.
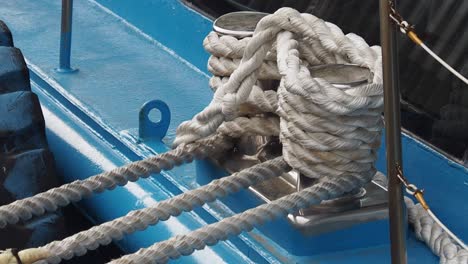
{"x":324,"y":130}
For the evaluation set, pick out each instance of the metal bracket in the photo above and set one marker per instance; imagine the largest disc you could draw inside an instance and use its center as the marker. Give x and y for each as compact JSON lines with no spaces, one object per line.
{"x":368,"y":205}
{"x":358,"y":207}
{"x":154,"y":130}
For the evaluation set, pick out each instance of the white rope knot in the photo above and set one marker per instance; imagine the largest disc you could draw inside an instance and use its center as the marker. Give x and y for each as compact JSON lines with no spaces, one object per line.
{"x":325,"y":130}
{"x":322,"y":127}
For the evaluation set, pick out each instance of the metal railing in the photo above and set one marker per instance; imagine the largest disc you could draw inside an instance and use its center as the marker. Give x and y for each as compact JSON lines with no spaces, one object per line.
{"x":66,"y":38}
{"x":393,"y":134}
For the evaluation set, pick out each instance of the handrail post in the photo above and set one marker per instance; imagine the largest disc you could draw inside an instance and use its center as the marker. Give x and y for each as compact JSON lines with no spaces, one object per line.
{"x":396,"y":208}
{"x":65,"y":37}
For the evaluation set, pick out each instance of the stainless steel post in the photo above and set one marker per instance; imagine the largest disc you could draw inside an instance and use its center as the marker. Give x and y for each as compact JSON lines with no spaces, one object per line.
{"x":392,"y":134}
{"x":65,"y":37}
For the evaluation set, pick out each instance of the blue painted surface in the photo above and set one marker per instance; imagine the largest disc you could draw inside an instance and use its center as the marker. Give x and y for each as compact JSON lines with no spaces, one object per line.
{"x":445,"y":182}
{"x":169,"y":22}
{"x":85,"y":153}
{"x":120,"y":69}
{"x":150,"y":129}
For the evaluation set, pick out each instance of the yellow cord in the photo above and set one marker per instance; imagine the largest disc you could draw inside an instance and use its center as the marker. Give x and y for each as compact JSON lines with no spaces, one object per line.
{"x":420,"y":197}
{"x":412,"y":35}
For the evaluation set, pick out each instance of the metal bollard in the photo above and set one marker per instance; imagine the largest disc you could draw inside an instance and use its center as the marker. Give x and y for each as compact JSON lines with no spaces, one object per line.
{"x":65,"y":38}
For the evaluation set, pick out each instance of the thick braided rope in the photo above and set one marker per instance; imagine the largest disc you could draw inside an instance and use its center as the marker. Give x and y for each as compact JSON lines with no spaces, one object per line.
{"x":182,"y":245}
{"x":434,"y":236}
{"x":224,"y":67}
{"x":226,"y":46}
{"x":325,"y":130}
{"x":61,"y":196}
{"x":254,"y":126}
{"x":428,"y":231}
{"x":325,"y":44}
{"x":103,"y":234}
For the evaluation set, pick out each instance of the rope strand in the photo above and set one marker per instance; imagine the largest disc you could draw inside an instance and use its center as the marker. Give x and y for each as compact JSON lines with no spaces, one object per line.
{"x":183,"y":245}
{"x":61,"y":196}
{"x":138,"y":220}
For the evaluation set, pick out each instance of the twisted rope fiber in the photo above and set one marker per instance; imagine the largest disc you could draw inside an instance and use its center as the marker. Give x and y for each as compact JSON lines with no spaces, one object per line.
{"x":325,"y":131}
{"x":428,"y":231}
{"x":103,"y":234}
{"x":73,"y":192}
{"x":226,"y":46}
{"x":325,"y":42}
{"x":61,"y":196}
{"x":225,"y":67}
{"x":183,"y":245}
{"x":320,"y":130}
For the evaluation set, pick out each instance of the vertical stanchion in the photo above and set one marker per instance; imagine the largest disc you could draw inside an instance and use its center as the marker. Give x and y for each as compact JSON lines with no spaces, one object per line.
{"x":392,"y":135}
{"x":65,"y":37}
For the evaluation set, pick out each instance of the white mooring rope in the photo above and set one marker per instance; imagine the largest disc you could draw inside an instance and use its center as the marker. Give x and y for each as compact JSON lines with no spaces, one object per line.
{"x":183,"y":245}
{"x":431,"y":232}
{"x":104,"y":234}
{"x":328,"y":133}
{"x":435,"y":237}
{"x":75,"y":191}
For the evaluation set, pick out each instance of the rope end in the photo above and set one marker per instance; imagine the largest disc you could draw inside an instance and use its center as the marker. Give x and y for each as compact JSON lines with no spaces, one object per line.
{"x":27,"y":256}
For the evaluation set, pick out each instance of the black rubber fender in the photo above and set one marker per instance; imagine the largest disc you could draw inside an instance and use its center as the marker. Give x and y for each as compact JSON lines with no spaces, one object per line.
{"x":20,"y":128}
{"x":26,"y":165}
{"x":17,"y":178}
{"x":5,"y":35}
{"x":14,"y":74}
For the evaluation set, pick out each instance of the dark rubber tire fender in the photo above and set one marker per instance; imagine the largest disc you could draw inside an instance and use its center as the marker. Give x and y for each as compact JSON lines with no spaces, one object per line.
{"x":6,"y":38}
{"x":26,"y":165}
{"x":22,"y":125}
{"x":14,"y":74}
